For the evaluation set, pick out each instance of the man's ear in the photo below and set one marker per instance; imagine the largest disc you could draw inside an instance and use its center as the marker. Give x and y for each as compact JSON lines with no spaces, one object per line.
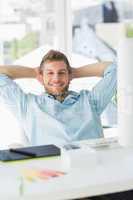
{"x":40,"y":78}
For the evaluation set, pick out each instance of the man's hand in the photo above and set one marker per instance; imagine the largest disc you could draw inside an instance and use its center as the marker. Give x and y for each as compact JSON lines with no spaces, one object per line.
{"x":73,"y":73}
{"x":37,"y":71}
{"x":38,"y":75}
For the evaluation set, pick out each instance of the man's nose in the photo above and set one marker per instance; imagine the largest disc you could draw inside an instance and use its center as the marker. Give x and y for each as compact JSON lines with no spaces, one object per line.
{"x":56,"y":77}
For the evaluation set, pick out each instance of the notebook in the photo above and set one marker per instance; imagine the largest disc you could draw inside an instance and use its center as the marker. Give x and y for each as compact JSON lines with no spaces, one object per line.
{"x":29,"y":152}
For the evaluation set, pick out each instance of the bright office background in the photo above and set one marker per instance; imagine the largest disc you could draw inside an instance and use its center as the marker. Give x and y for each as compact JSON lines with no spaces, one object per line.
{"x":86,"y":30}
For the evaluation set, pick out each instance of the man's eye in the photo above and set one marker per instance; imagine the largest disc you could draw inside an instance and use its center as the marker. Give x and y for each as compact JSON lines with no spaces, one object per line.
{"x":50,"y":73}
{"x":62,"y":73}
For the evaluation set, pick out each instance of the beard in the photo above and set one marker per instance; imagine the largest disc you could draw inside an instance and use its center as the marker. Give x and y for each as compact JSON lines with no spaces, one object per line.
{"x":61,"y":92}
{"x":60,"y":95}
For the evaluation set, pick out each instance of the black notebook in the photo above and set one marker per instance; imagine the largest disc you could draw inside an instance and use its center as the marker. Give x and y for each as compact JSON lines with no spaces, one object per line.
{"x":29,"y":152}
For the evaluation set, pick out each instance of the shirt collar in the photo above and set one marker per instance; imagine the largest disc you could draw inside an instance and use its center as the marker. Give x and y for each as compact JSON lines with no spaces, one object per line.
{"x":71,"y":98}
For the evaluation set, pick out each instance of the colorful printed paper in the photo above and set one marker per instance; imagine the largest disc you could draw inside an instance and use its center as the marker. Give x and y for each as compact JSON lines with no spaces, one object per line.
{"x":45,"y":174}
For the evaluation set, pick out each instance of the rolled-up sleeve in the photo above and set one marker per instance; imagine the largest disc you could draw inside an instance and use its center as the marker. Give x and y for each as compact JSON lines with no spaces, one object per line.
{"x":105,"y":89}
{"x":12,"y":96}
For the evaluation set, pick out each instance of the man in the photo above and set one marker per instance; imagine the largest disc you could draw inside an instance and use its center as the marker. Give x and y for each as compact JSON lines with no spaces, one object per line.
{"x":58,"y":116}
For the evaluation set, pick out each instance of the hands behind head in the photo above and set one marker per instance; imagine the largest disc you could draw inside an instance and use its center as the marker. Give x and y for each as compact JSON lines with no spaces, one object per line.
{"x":39,"y":75}
{"x":37,"y":71}
{"x":73,"y":73}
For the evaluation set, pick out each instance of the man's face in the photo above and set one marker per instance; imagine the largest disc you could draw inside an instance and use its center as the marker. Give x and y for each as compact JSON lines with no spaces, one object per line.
{"x":56,"y":77}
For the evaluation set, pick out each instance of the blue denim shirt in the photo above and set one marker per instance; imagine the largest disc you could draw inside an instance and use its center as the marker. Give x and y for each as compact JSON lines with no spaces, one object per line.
{"x":45,"y":120}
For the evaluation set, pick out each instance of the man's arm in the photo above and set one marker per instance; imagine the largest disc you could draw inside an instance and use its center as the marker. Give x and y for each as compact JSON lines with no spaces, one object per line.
{"x":96,"y":69}
{"x":15,"y":71}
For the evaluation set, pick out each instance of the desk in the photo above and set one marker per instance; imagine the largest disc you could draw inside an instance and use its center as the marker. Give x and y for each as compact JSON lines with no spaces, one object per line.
{"x":88,"y":173}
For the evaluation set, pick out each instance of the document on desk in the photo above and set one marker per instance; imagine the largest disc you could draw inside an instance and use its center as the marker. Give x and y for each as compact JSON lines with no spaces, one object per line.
{"x":29,"y":152}
{"x":31,"y":174}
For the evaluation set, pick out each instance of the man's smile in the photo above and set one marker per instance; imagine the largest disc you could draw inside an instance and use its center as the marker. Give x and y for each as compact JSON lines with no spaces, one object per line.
{"x":56,"y":84}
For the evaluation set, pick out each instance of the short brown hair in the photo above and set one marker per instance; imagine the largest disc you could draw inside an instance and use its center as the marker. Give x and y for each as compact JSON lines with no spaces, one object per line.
{"x":54,"y":55}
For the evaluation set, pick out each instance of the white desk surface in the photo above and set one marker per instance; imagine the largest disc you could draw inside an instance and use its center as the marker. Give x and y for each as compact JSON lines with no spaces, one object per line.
{"x":89,"y":172}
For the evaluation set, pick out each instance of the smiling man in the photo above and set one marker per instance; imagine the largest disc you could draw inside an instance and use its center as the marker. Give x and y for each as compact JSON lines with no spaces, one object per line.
{"x":58,"y":116}
{"x":55,"y":76}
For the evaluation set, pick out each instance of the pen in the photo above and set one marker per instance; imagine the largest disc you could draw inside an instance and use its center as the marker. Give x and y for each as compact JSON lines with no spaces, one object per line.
{"x":22,"y":152}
